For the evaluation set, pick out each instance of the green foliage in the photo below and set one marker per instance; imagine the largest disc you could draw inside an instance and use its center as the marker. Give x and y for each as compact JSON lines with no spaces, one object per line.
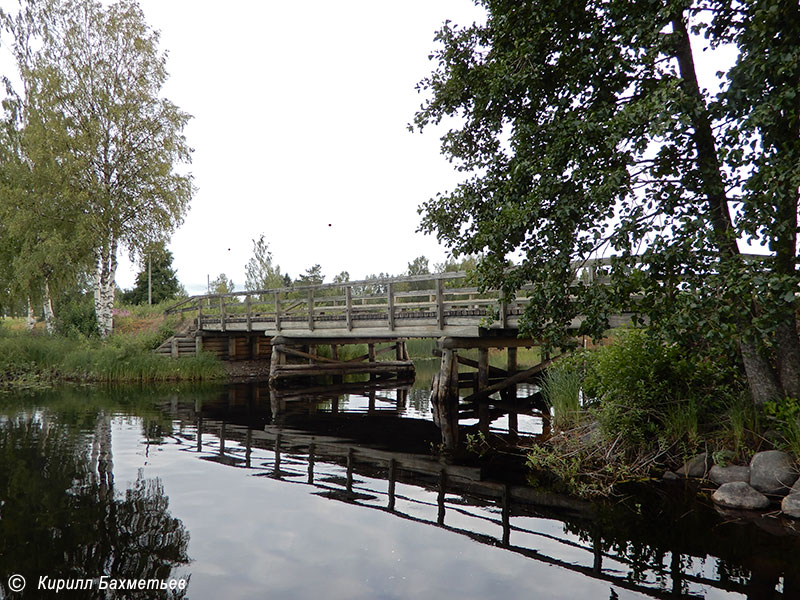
{"x":561,"y":390}
{"x":75,"y":316}
{"x":100,"y":142}
{"x":261,"y":273}
{"x":647,"y":404}
{"x":312,"y":276}
{"x":162,"y":278}
{"x":418,"y":266}
{"x":784,"y":416}
{"x":33,"y":360}
{"x":477,"y":443}
{"x":650,"y":392}
{"x":222,"y":285}
{"x":583,"y":130}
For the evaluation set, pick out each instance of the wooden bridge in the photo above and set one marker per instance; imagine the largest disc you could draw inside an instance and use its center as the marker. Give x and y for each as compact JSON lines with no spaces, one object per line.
{"x":419,"y":306}
{"x":290,"y":326}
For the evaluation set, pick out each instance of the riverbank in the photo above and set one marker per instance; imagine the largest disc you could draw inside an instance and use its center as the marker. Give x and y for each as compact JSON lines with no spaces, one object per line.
{"x":36,"y":359}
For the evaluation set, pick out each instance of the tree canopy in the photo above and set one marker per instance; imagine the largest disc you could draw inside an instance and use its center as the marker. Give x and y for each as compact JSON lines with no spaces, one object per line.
{"x":157,"y":275}
{"x":584,"y":130}
{"x":261,"y":273}
{"x":101,"y":143}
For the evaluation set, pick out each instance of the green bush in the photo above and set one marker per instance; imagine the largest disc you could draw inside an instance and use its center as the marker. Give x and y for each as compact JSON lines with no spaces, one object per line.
{"x":649,"y":392}
{"x":75,"y":317}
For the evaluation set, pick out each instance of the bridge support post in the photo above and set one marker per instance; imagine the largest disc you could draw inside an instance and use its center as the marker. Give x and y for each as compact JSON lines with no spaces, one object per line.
{"x":511,"y":391}
{"x":444,"y":398}
{"x":483,"y":383}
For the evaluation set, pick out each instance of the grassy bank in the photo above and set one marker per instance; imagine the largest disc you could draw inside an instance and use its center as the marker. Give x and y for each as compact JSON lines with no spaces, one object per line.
{"x":29,"y":359}
{"x":638,"y":406}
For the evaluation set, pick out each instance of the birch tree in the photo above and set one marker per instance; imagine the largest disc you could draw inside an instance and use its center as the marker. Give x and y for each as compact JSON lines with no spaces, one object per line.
{"x":92,"y":79}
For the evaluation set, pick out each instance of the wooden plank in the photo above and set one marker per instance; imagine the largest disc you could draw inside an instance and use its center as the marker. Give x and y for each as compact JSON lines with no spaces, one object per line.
{"x":463,"y":360}
{"x":249,"y":316}
{"x":440,"y":303}
{"x":349,"y":307}
{"x":390,"y":308}
{"x":487,"y":342}
{"x":303,"y":339}
{"x":514,"y":379}
{"x":308,"y":355}
{"x":278,"y":311}
{"x":311,"y":309}
{"x":222,"y":313}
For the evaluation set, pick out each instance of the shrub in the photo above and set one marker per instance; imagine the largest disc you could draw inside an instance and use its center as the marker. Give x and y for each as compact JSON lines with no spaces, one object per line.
{"x":649,"y":392}
{"x":75,"y":317}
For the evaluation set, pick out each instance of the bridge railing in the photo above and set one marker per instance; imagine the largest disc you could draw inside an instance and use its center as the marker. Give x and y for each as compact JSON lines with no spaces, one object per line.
{"x":432,"y":296}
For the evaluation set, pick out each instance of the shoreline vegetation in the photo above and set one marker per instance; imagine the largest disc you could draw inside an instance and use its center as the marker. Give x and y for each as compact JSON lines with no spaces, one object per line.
{"x":31,"y":359}
{"x":637,"y":409}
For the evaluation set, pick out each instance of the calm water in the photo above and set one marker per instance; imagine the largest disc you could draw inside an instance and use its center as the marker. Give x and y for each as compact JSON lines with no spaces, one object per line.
{"x":244,"y":495}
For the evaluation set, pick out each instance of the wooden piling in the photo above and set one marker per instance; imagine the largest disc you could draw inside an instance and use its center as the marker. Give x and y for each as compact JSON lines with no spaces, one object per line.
{"x":483,"y":383}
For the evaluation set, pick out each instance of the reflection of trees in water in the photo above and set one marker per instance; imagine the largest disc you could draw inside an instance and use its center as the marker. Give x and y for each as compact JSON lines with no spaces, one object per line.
{"x":60,"y":515}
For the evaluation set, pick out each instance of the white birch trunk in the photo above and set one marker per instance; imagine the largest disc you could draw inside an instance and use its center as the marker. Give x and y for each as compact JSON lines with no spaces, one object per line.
{"x":49,"y":316}
{"x":104,"y":289}
{"x":31,"y":321}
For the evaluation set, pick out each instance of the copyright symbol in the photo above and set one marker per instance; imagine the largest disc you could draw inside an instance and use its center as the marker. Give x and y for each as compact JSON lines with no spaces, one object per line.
{"x":16,"y":583}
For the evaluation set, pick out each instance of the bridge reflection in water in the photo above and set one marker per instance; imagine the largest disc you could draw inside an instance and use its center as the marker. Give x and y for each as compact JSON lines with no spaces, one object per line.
{"x":355,"y":449}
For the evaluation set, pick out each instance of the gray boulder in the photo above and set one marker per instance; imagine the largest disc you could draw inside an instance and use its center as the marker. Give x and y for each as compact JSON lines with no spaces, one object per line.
{"x":772,"y":472}
{"x":696,"y":467}
{"x":738,"y":494}
{"x":720,"y":475}
{"x":790,"y":505}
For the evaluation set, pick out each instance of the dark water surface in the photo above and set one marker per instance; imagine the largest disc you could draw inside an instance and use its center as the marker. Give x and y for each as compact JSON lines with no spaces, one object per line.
{"x":244,"y":495}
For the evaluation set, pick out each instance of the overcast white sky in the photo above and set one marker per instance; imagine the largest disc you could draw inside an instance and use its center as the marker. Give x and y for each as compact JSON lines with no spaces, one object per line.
{"x":300,"y":113}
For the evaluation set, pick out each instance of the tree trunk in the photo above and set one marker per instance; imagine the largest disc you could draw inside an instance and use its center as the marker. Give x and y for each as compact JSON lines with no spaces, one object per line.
{"x":788,"y":350}
{"x":31,"y":320}
{"x":49,"y":315}
{"x":104,"y":290}
{"x":761,"y":375}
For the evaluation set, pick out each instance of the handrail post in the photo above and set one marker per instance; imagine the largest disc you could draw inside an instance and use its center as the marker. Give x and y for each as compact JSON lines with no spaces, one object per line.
{"x":390,"y":293}
{"x":200,"y":314}
{"x":503,"y":311}
{"x":348,"y":296}
{"x":311,"y":309}
{"x":440,"y":302}
{"x":249,"y":316}
{"x":222,"y":313}
{"x":277,"y":311}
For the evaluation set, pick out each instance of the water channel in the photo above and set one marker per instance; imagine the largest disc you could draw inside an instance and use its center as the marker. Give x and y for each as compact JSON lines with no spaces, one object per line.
{"x":238,"y":493}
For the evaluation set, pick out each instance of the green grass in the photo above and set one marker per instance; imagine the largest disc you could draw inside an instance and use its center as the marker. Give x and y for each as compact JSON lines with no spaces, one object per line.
{"x":561,"y":388}
{"x":31,"y":359}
